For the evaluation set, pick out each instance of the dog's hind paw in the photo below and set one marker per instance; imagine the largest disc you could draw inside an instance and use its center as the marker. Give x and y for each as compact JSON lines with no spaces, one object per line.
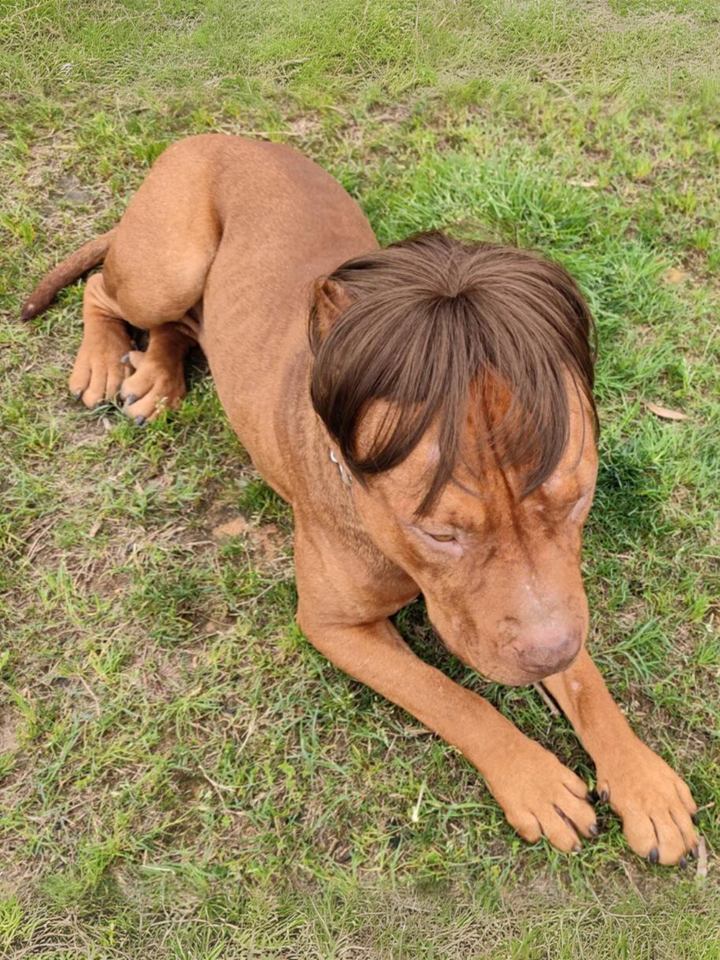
{"x":157,"y":384}
{"x":99,"y":368}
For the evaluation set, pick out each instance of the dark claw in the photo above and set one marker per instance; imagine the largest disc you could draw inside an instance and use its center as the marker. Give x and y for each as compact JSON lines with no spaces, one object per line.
{"x":131,"y":399}
{"x":577,"y":848}
{"x":695,"y":818}
{"x":594,"y":830}
{"x":604,"y":796}
{"x":125,"y":358}
{"x":695,"y":852}
{"x":654,"y":856}
{"x":77,"y":394}
{"x":682,"y":863}
{"x":140,"y":420}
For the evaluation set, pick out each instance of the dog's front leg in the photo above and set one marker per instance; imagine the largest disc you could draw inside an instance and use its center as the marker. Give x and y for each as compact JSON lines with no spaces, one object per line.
{"x":540,"y":796}
{"x":656,"y":806}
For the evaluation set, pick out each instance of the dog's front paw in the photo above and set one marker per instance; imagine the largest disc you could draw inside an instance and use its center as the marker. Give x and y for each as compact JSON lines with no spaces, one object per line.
{"x":158,"y":383}
{"x":656,"y":806}
{"x":542,"y":798}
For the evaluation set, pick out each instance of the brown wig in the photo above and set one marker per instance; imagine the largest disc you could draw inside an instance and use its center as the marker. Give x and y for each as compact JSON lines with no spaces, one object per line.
{"x":426,"y":321}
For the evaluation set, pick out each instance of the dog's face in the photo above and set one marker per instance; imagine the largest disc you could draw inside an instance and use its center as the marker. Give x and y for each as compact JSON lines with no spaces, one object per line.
{"x":500,"y":573}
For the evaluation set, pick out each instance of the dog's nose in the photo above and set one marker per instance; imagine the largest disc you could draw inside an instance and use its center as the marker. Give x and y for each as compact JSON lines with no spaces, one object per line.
{"x":546,"y":655}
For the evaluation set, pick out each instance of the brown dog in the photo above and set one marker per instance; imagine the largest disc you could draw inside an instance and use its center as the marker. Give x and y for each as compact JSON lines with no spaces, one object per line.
{"x":436,"y":435}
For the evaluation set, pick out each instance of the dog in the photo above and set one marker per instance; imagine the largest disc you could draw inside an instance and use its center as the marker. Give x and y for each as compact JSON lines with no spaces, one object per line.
{"x":427,"y":411}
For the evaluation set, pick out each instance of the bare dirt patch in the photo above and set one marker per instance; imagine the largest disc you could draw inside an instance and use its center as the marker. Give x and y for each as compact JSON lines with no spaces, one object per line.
{"x":267,"y":541}
{"x":9,"y":726}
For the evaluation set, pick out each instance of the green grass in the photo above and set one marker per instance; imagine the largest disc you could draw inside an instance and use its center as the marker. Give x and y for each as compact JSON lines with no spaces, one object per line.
{"x":181,"y":774}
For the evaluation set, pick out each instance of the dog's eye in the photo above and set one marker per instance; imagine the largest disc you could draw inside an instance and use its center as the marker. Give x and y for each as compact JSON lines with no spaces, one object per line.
{"x":450,"y":542}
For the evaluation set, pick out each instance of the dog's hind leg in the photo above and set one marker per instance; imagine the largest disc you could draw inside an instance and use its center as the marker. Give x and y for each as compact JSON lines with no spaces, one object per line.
{"x":107,"y":357}
{"x":153,"y":278}
{"x":99,"y":368}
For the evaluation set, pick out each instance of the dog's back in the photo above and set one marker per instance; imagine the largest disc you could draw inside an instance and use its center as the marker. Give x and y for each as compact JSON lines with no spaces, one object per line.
{"x":221,"y":243}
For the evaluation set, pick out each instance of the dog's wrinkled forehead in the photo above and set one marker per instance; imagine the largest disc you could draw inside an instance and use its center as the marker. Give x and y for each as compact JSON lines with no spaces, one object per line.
{"x":481,"y":475}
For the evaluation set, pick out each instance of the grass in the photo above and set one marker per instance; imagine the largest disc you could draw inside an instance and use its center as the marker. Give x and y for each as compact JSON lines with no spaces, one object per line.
{"x":181,"y":774}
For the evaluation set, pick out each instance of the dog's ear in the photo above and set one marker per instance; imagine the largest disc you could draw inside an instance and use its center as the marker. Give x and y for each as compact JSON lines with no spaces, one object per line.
{"x":329,"y":301}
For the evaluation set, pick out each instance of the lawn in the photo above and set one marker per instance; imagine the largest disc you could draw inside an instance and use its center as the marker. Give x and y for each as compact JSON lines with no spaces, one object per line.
{"x":181,"y":774}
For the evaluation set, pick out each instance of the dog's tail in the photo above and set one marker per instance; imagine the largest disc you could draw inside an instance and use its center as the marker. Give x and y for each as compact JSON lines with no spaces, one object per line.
{"x":78,"y":263}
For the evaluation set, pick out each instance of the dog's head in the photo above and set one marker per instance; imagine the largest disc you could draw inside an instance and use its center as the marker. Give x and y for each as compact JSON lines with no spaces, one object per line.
{"x":455,"y":382}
